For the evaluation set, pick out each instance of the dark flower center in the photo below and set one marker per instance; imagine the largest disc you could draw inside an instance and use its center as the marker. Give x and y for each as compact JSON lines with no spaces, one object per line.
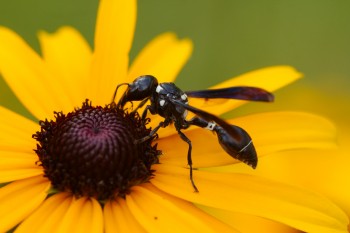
{"x":92,"y":151}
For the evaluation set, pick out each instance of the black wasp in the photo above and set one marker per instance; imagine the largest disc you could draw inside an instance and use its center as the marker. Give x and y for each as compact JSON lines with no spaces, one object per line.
{"x":170,"y":102}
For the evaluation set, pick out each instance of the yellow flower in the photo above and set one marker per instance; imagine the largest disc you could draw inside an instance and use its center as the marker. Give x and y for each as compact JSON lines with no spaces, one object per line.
{"x":69,"y":72}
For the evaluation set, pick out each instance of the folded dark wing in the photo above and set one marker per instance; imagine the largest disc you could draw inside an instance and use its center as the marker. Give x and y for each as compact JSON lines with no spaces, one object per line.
{"x":240,"y":92}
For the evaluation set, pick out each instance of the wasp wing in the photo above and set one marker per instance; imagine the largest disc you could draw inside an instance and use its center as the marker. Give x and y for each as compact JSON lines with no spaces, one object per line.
{"x":208,"y":117}
{"x":233,"y":139}
{"x":240,"y":92}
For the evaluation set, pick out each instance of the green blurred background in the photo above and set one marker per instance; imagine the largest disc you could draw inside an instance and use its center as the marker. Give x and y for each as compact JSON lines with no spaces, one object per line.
{"x":230,"y":37}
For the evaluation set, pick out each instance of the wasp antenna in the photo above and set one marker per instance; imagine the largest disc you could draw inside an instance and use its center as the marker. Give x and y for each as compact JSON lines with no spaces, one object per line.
{"x":116,"y":90}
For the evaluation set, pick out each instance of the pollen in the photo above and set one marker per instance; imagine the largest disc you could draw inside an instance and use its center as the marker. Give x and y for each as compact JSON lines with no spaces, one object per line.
{"x":92,"y":151}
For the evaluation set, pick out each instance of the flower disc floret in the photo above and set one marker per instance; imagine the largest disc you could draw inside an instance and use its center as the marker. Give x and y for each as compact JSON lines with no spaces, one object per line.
{"x":92,"y":151}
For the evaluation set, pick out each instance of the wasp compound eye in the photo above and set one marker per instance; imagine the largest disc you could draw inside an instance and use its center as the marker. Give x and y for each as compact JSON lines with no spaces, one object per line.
{"x":91,"y":151}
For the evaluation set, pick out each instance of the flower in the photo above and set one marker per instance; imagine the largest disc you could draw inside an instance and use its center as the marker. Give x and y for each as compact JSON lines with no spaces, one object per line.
{"x":61,"y":80}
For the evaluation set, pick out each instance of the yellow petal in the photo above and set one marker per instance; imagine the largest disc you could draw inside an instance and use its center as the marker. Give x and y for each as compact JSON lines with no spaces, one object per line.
{"x":280,"y":131}
{"x":11,"y":159}
{"x":113,"y":37}
{"x":48,"y":216}
{"x":248,"y":223}
{"x":29,"y":77}
{"x":19,"y":199}
{"x":118,"y":218}
{"x":21,"y":173}
{"x":72,"y":68}
{"x":17,"y":146}
{"x":271,"y":132}
{"x":163,"y":58}
{"x":53,"y":219}
{"x":295,"y":207}
{"x":325,"y":171}
{"x":206,"y":150}
{"x":17,"y":159}
{"x":18,"y":165}
{"x":17,"y":128}
{"x":157,"y":211}
{"x":83,"y":215}
{"x":269,"y":78}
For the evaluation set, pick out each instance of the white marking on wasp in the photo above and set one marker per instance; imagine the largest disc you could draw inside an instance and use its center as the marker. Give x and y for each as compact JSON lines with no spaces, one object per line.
{"x":162,"y":102}
{"x":185,"y":114}
{"x":211,"y":125}
{"x":184,"y":97}
{"x":159,"y":88}
{"x":245,"y":147}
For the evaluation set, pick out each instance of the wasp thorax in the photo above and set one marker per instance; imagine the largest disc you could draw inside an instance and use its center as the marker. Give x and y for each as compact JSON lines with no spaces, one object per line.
{"x":92,"y":151}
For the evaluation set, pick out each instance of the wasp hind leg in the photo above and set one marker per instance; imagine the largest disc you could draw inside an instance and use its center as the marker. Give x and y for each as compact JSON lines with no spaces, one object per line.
{"x":189,"y":157}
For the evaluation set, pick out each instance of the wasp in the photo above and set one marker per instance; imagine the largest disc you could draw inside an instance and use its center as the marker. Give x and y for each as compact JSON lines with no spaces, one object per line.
{"x":171,"y":103}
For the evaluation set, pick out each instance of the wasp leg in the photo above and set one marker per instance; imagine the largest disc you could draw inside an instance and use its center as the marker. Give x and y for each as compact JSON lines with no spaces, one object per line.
{"x":153,"y":132}
{"x":143,"y":102}
{"x":189,"y":157}
{"x":149,"y":108}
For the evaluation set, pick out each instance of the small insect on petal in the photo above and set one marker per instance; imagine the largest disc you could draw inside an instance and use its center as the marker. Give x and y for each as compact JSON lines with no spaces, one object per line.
{"x":170,"y":102}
